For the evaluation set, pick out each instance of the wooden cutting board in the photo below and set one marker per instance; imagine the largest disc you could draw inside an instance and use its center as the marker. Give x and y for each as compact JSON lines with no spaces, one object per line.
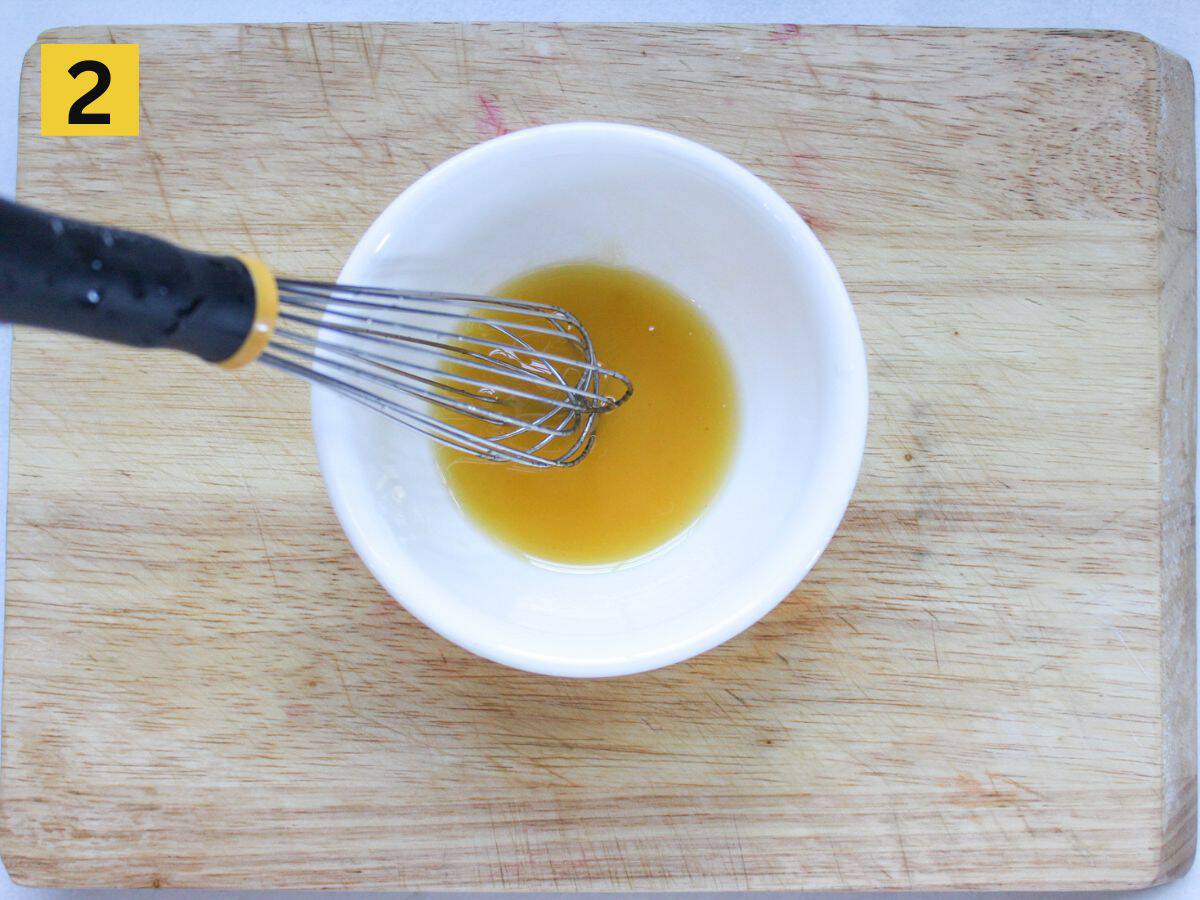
{"x":988,"y":680}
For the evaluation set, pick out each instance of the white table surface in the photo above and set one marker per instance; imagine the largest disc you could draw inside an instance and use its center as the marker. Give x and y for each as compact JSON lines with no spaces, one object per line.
{"x":1166,"y":21}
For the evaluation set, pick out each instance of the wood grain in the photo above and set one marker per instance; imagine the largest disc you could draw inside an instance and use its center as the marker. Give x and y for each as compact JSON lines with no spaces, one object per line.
{"x":988,"y":680}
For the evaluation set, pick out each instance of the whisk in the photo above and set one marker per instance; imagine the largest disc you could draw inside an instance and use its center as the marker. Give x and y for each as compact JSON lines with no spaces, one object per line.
{"x":505,"y":380}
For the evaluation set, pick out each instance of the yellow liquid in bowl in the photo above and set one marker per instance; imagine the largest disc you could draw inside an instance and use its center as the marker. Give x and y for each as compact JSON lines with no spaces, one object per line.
{"x":658,"y":460}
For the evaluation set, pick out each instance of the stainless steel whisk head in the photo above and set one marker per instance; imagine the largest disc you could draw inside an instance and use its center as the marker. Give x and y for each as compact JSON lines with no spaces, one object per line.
{"x":506,"y":380}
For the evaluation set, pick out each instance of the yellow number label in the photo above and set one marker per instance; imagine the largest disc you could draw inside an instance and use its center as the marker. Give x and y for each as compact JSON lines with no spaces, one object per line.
{"x":90,"y":89}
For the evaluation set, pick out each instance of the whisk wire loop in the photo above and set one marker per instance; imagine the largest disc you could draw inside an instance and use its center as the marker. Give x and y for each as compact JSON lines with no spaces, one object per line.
{"x":505,"y":380}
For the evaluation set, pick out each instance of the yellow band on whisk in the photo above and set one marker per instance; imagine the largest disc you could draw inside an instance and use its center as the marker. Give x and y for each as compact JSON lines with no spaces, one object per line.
{"x":266,"y":311}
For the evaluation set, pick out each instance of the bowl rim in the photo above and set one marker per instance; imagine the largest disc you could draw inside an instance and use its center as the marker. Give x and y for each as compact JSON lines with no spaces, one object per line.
{"x":417,"y":593}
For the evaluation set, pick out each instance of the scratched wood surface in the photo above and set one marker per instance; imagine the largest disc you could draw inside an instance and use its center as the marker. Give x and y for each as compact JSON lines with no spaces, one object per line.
{"x":988,"y":680}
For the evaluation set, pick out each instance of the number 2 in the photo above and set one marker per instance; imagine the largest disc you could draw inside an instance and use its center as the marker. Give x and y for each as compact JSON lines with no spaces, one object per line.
{"x":76,"y":115}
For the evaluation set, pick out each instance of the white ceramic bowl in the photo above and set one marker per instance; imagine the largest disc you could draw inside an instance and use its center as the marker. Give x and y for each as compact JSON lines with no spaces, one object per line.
{"x":687,"y":215}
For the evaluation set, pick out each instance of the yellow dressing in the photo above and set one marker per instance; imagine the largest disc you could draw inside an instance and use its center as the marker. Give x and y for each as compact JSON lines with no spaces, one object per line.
{"x":657,"y":461}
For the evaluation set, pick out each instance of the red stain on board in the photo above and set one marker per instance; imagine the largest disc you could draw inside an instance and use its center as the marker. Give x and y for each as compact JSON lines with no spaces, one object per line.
{"x":785,"y":33}
{"x":816,"y":223}
{"x":804,"y":164}
{"x":490,"y":120}
{"x":1001,"y":790}
{"x":296,"y":710}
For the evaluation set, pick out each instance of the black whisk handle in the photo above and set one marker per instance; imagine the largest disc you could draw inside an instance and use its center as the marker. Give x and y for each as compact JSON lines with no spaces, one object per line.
{"x":130,"y":288}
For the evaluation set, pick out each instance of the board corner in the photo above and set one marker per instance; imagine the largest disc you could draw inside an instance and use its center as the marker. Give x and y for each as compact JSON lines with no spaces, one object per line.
{"x":1178,"y":850}
{"x":22,"y":869}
